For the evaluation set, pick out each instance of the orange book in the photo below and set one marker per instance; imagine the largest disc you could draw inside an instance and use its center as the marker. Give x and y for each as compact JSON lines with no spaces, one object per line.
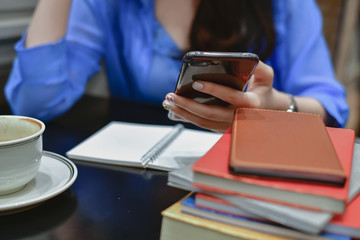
{"x":283,"y":145}
{"x":211,"y":173}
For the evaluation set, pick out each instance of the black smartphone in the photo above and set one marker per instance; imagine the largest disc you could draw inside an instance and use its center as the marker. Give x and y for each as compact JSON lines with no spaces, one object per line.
{"x":232,"y":69}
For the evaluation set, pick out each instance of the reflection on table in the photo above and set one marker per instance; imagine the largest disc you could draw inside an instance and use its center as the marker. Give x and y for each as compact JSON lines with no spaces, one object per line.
{"x":106,"y":201}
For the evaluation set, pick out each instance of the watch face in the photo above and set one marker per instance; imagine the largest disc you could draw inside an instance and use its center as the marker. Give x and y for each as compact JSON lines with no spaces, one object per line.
{"x":292,"y":106}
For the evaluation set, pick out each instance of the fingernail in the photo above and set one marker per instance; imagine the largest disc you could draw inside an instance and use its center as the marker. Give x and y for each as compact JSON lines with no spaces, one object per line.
{"x":167,"y":105}
{"x":172,"y":117}
{"x":197,"y":85}
{"x":170,"y":98}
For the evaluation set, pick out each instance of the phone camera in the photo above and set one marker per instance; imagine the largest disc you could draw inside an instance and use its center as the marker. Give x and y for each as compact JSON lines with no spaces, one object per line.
{"x":199,"y":63}
{"x":214,"y":62}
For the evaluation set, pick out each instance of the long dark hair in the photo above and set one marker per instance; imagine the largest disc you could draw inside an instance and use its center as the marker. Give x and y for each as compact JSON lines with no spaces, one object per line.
{"x":234,"y":26}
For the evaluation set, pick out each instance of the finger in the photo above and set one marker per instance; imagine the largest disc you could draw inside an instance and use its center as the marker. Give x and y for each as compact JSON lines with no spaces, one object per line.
{"x":263,"y":72}
{"x":201,"y":122}
{"x":230,"y":95}
{"x":172,"y":116}
{"x":181,"y":114}
{"x":211,"y":112}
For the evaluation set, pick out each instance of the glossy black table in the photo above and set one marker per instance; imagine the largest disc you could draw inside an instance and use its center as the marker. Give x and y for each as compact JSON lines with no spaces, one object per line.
{"x":106,"y":201}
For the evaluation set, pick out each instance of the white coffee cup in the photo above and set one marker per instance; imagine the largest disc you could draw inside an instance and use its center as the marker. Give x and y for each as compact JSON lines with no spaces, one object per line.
{"x":20,"y":151}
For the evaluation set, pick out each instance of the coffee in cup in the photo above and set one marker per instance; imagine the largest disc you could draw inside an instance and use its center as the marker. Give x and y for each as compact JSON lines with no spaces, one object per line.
{"x":20,"y":151}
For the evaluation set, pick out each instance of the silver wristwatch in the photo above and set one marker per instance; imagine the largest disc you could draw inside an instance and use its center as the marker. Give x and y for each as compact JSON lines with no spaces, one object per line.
{"x":293,"y":105}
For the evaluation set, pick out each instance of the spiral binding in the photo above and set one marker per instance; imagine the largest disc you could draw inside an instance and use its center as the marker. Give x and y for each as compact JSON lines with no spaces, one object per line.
{"x":155,"y":151}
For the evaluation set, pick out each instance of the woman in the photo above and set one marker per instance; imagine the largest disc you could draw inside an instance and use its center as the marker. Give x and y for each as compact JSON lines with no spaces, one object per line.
{"x":143,"y":41}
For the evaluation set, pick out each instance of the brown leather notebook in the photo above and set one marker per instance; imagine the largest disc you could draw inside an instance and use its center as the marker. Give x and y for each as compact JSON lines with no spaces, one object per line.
{"x":283,"y":144}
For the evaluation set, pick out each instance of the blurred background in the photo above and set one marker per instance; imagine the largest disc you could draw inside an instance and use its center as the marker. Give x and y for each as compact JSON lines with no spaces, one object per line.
{"x":341,"y":29}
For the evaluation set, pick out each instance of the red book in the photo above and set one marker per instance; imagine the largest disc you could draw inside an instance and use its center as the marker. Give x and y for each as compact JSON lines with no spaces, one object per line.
{"x":211,"y":173}
{"x":348,"y":223}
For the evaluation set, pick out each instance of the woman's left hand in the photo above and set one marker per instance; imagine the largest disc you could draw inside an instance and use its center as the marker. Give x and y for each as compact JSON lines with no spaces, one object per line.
{"x":260,"y":94}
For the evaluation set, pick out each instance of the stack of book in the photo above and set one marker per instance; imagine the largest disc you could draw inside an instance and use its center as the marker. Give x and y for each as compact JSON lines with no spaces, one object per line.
{"x":273,"y":175}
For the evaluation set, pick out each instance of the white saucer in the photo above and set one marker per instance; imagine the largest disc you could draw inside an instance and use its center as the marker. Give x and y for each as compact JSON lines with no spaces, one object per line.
{"x":56,"y":174}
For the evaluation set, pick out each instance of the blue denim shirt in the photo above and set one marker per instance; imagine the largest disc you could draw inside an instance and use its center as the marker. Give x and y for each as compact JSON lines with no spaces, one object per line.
{"x":143,"y":62}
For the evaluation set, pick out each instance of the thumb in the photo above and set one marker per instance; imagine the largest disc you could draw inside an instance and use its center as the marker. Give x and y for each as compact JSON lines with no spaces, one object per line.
{"x":263,"y":74}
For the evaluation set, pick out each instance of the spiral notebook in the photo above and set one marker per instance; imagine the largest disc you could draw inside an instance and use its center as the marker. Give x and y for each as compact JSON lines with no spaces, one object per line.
{"x":160,"y":147}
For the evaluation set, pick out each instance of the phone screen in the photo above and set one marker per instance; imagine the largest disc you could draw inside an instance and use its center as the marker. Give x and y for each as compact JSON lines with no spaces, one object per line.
{"x":228,"y":69}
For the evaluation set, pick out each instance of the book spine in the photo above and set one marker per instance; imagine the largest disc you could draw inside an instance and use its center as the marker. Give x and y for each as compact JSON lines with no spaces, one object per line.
{"x":155,"y":151}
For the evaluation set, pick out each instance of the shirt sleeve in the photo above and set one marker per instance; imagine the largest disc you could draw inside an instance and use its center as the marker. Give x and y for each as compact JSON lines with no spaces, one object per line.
{"x":301,"y":60}
{"x":47,"y":80}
